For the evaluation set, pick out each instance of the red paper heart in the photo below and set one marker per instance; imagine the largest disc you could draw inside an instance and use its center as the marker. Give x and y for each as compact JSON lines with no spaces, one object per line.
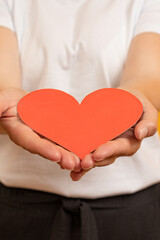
{"x":81,"y":128}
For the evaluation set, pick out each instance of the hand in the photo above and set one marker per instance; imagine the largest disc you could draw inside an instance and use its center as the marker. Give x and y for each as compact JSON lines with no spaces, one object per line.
{"x":124,"y":145}
{"x":25,"y":137}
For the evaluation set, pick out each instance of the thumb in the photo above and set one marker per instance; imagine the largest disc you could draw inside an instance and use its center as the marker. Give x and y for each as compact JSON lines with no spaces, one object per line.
{"x":9,"y":97}
{"x":147,"y":125}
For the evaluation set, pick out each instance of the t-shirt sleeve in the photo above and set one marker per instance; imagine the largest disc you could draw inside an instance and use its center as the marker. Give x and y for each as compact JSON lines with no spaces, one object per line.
{"x":149,"y":18}
{"x":6,"y":15}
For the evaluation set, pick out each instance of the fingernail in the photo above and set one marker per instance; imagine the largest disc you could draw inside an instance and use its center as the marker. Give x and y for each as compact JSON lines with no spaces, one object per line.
{"x":143,"y":133}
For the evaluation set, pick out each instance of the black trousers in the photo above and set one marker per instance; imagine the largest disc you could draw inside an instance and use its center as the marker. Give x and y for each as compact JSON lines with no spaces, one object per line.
{"x":34,"y":215}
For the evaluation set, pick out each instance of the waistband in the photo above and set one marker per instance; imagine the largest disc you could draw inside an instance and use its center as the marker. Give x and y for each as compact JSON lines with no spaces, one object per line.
{"x":139,"y":198}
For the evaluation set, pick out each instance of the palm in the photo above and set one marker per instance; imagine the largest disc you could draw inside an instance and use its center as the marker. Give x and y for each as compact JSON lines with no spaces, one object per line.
{"x":25,"y":137}
{"x":124,"y":145}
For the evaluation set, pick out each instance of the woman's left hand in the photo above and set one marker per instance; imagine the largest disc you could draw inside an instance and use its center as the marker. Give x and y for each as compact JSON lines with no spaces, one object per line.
{"x":124,"y":145}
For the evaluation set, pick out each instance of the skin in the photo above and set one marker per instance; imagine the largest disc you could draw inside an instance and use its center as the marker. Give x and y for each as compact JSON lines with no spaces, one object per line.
{"x":126,"y":144}
{"x":140,"y":77}
{"x":10,"y":93}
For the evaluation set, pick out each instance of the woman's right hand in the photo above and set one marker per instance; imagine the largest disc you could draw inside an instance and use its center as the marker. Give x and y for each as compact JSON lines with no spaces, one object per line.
{"x":25,"y":137}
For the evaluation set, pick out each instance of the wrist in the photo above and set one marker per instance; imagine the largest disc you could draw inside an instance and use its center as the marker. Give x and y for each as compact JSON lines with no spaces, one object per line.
{"x":133,"y":90}
{"x":149,"y":88}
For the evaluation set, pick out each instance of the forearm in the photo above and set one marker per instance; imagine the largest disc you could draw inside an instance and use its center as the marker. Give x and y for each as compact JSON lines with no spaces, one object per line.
{"x":10,"y":70}
{"x":142,"y":68}
{"x":150,"y":88}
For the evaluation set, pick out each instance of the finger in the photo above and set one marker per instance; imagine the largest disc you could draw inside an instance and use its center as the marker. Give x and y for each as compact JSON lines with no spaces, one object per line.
{"x":87,"y":162}
{"x":147,"y":126}
{"x":118,"y":147}
{"x":25,"y":137}
{"x":76,"y":176}
{"x":67,"y":159}
{"x":77,"y":160}
{"x":105,"y":162}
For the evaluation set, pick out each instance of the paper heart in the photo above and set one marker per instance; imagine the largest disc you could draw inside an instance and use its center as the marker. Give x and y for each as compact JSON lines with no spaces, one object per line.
{"x":80,"y":127}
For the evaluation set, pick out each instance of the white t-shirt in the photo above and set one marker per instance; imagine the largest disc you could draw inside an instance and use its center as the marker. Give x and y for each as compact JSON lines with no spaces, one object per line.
{"x":78,"y":46}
